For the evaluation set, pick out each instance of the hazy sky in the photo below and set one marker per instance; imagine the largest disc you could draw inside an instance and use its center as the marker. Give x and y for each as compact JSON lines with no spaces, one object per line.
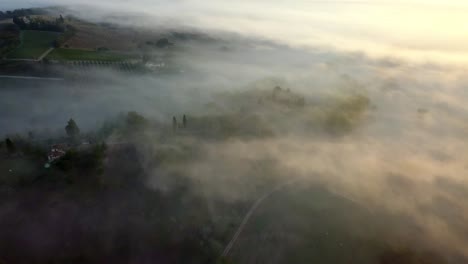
{"x":431,"y":30}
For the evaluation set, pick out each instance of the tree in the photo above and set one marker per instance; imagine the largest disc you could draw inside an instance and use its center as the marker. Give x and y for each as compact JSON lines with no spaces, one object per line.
{"x":174,"y":123}
{"x":135,"y":121}
{"x":31,"y":135}
{"x":11,"y":148}
{"x":56,"y":44}
{"x":19,"y":21}
{"x":72,"y":129}
{"x":184,"y":121}
{"x":163,"y":43}
{"x":276,"y":90}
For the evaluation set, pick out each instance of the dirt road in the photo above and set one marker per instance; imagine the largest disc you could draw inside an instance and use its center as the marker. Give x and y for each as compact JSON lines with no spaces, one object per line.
{"x":247,"y":216}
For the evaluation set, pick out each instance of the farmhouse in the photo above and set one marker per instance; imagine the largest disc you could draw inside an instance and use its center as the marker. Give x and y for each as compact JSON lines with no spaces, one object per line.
{"x":26,"y":20}
{"x":56,"y":152}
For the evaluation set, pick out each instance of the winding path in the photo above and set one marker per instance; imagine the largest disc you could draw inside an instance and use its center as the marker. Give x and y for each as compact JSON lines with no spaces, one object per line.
{"x":45,"y":54}
{"x":250,"y":213}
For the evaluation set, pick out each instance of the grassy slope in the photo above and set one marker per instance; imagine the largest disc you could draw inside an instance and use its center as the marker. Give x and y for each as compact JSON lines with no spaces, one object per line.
{"x":34,"y":43}
{"x":15,"y":170}
{"x":77,"y":54}
{"x":307,"y":224}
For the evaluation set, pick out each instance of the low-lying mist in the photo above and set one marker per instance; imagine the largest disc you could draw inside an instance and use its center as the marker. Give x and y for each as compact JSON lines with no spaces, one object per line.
{"x":386,"y":135}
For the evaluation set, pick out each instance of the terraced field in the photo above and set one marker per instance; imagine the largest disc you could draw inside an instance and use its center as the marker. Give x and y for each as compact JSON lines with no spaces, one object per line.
{"x":87,"y":55}
{"x":90,"y":66}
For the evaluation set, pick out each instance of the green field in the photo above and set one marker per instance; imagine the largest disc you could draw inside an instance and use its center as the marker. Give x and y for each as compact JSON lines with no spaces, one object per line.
{"x":33,"y":44}
{"x":86,"y":55}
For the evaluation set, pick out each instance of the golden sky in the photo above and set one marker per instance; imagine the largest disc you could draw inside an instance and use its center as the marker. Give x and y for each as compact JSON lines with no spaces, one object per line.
{"x":435,"y":31}
{"x":418,"y":30}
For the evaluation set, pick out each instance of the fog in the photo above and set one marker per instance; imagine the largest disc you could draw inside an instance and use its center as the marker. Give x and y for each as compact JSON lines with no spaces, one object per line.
{"x":417,"y":30}
{"x":402,"y":156}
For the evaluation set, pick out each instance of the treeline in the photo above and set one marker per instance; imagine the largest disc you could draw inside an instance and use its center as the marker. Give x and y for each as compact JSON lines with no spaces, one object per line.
{"x":37,"y":23}
{"x":68,"y":32}
{"x":22,"y":12}
{"x":9,"y":37}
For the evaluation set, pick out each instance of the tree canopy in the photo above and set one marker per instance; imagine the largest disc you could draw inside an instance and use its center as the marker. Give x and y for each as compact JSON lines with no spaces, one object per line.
{"x":72,"y":128}
{"x":11,"y":148}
